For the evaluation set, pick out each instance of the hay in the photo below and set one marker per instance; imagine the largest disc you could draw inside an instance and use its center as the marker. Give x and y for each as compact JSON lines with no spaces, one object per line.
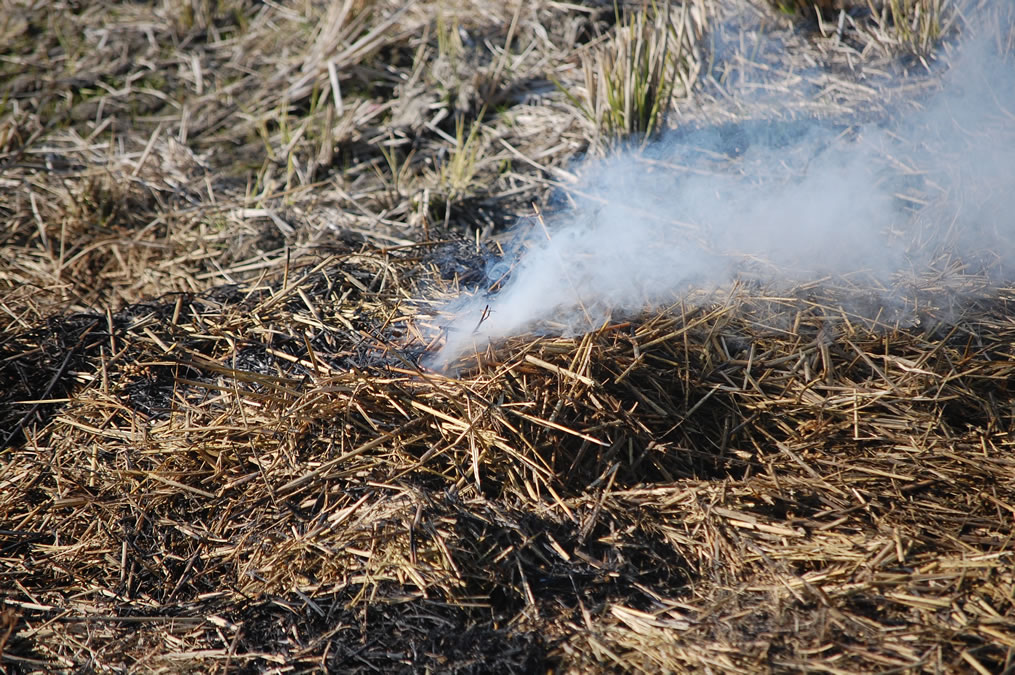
{"x":240,"y":461}
{"x":264,"y":475}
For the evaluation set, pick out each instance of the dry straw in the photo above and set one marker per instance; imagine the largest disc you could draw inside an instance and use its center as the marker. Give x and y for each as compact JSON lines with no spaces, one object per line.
{"x":220,"y":452}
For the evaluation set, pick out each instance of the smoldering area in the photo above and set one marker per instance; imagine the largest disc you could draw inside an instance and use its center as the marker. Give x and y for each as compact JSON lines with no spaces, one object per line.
{"x":875,"y":205}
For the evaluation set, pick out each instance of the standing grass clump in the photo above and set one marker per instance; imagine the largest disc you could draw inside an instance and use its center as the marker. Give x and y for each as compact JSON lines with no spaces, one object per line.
{"x":913,"y":26}
{"x":631,"y":80}
{"x":919,"y":23}
{"x":458,"y":173}
{"x":898,"y":26}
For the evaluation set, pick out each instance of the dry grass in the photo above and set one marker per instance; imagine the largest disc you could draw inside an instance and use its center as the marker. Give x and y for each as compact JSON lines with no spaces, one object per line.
{"x":227,"y":229}
{"x":631,"y":80}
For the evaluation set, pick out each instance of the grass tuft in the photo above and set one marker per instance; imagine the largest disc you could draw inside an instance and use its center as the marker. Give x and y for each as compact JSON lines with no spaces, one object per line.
{"x":913,"y":26}
{"x":458,"y":174}
{"x":631,"y":79}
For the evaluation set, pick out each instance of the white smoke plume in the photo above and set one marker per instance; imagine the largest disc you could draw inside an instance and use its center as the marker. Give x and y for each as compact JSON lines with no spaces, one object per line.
{"x":802,"y":200}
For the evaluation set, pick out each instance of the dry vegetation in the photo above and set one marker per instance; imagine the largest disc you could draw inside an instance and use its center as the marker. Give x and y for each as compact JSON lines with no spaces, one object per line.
{"x":225,"y":229}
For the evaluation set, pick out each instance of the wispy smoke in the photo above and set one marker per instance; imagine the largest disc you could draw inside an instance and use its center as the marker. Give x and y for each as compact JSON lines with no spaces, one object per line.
{"x":779,"y":202}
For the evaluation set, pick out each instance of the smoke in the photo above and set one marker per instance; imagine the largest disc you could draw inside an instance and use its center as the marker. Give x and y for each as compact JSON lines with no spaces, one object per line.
{"x":776,"y":202}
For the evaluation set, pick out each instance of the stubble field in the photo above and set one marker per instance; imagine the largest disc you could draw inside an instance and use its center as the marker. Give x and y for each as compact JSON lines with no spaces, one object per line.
{"x":229,"y":234}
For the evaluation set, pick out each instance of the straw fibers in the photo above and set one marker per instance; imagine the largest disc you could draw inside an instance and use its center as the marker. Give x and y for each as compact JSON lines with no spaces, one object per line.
{"x":221,"y":449}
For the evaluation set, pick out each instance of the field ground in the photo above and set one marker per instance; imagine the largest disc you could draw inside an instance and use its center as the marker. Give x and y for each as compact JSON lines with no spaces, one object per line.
{"x":227,"y":229}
